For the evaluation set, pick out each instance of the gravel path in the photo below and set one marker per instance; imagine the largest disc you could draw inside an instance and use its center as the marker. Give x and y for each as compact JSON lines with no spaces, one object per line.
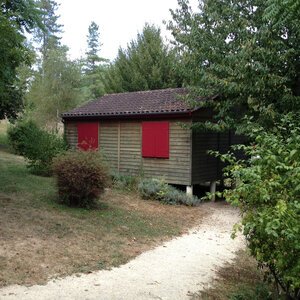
{"x":174,"y":270}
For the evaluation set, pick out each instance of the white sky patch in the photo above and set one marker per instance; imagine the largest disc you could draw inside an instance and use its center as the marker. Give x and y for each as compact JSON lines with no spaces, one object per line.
{"x":119,"y":22}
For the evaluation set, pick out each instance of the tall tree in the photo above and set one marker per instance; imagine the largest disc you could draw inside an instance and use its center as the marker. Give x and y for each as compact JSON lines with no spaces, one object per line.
{"x":248,"y":52}
{"x":49,"y":36}
{"x":94,"y":65}
{"x":15,"y":18}
{"x":55,"y":85}
{"x":146,"y":64}
{"x":55,"y":90}
{"x":230,"y":48}
{"x":93,"y":48}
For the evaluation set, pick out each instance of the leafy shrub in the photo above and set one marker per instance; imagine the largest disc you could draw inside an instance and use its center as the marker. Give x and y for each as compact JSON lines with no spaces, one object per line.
{"x":268,"y":193}
{"x":20,"y":135}
{"x":259,"y":292}
{"x":158,"y":189}
{"x":81,"y":177}
{"x":38,"y":146}
{"x":3,"y":135}
{"x":151,"y":188}
{"x":124,"y":182}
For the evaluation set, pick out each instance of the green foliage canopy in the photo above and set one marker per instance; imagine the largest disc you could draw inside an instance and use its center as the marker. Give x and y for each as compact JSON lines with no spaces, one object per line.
{"x":248,"y":53}
{"x":55,"y":86}
{"x":268,"y":193}
{"x":38,"y":146}
{"x":55,"y":89}
{"x":232,"y":48}
{"x":146,"y":64}
{"x":15,"y":18}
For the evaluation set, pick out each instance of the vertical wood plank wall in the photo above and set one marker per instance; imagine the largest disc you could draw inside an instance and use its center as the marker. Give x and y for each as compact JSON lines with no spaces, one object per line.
{"x":108,"y":143}
{"x":71,"y":134}
{"x":176,"y":169}
{"x":204,"y":166}
{"x":121,"y":144}
{"x":130,"y":148}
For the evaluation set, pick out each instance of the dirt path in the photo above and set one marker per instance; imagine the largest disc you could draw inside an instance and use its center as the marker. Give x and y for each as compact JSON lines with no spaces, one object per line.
{"x":172,"y":271}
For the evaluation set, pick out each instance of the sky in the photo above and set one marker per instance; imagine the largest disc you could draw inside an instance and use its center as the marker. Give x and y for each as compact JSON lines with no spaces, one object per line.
{"x":119,"y":22}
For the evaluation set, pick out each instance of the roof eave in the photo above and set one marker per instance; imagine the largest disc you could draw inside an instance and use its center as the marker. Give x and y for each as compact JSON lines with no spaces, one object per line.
{"x":171,"y":114}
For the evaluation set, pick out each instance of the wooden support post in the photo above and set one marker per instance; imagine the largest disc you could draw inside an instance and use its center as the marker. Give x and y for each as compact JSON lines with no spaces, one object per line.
{"x":189,"y":190}
{"x":213,"y":185}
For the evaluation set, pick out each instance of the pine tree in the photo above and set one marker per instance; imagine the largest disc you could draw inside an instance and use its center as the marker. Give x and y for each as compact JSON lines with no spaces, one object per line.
{"x":49,"y":36}
{"x":93,"y":49}
{"x":94,"y":65}
{"x":146,"y":64}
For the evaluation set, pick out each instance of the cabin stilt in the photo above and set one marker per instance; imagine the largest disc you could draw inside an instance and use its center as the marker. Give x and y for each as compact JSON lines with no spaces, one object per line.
{"x":213,"y":185}
{"x":189,"y":190}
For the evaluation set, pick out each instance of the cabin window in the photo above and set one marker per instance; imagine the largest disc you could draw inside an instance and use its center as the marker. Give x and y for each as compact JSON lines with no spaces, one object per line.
{"x":155,"y":139}
{"x":87,"y":133}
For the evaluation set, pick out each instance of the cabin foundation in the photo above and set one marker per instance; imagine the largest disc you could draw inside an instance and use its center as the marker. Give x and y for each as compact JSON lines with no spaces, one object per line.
{"x":213,"y":186}
{"x":189,"y":190}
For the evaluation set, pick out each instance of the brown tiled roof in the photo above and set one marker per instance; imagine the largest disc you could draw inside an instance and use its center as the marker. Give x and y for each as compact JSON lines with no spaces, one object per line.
{"x":134,"y":103}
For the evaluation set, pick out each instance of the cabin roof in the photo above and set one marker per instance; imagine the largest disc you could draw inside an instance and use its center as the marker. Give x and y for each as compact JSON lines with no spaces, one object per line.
{"x":166,"y":101}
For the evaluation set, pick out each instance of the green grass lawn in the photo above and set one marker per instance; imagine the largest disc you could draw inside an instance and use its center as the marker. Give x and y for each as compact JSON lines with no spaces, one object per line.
{"x":40,"y":238}
{"x":3,"y":133}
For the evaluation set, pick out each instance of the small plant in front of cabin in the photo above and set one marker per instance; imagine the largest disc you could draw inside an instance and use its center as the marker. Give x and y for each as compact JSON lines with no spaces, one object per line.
{"x":124,"y":182}
{"x":158,"y":189}
{"x":38,"y":146}
{"x":81,"y":177}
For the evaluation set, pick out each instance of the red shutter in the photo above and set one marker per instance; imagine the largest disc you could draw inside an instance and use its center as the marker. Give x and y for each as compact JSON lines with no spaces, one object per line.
{"x":155,"y":139}
{"x":162,"y":140}
{"x":87,"y":135}
{"x":148,"y":143}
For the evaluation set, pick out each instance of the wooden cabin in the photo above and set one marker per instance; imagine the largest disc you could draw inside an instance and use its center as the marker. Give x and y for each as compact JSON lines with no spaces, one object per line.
{"x":147,"y":133}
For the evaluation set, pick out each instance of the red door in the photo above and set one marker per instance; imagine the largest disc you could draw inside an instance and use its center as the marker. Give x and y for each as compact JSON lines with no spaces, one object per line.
{"x":87,"y":135}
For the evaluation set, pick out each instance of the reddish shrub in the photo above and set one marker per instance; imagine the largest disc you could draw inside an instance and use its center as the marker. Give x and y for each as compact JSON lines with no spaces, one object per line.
{"x":81,"y":177}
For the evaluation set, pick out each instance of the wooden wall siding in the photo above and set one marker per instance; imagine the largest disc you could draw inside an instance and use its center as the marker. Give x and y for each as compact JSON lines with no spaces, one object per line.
{"x":71,"y":134}
{"x":204,"y":166}
{"x":130,"y":148}
{"x":121,"y":144}
{"x":108,"y":142}
{"x":176,"y":169}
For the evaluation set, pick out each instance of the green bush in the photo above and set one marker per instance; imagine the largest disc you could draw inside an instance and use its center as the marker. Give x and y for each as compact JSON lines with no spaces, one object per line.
{"x":158,"y":189}
{"x":259,"y":292}
{"x":38,"y":146}
{"x":124,"y":182}
{"x":81,"y":177}
{"x":268,"y":193}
